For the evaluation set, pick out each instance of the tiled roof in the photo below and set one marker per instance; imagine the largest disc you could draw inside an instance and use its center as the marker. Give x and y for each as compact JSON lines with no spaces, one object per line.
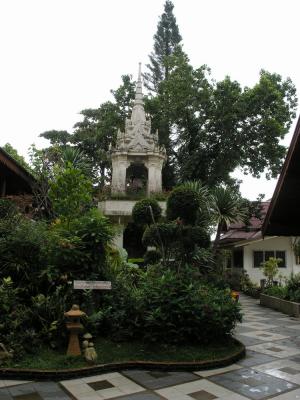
{"x":239,"y":231}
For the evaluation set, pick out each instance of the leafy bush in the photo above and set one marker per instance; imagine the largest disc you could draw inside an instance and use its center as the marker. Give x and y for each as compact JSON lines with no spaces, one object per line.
{"x":248,"y":287}
{"x":293,"y":288}
{"x":141,"y":213}
{"x":70,"y":193}
{"x":183,"y":203}
{"x":276,"y":291}
{"x":7,"y":208}
{"x":192,"y":312}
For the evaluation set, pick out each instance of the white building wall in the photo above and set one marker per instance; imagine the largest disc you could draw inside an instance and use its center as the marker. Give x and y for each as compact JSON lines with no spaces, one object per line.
{"x":278,"y":243}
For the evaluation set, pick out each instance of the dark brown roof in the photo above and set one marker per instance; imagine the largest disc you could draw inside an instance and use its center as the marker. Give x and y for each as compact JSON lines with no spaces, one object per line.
{"x":240,"y":232}
{"x":283,"y":216}
{"x":18,"y":180}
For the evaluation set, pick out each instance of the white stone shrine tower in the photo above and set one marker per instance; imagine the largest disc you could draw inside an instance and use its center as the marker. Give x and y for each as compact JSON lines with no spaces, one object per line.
{"x":137,"y":158}
{"x":137,"y":161}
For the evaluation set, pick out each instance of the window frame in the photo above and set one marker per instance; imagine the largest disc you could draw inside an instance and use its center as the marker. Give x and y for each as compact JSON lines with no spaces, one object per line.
{"x":264,"y":257}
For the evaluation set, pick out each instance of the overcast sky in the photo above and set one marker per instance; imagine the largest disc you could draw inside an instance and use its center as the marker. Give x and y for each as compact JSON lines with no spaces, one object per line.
{"x":61,"y":56}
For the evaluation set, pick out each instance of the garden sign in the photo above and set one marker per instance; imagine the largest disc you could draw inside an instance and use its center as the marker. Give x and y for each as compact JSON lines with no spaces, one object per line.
{"x":93,"y":285}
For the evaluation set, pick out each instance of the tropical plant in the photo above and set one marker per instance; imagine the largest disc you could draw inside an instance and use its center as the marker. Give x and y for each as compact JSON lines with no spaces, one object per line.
{"x":226,"y":208}
{"x":270,"y":269}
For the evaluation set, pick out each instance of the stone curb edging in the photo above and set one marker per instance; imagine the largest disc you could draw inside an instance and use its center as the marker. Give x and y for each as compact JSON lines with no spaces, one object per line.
{"x":285,"y":306}
{"x":61,"y":374}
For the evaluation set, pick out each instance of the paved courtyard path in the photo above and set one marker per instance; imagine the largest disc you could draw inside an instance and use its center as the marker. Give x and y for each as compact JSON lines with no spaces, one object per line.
{"x":271,"y":369}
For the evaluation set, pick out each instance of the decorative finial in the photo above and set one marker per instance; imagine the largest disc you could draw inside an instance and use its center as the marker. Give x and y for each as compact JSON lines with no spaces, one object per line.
{"x":140,"y":72}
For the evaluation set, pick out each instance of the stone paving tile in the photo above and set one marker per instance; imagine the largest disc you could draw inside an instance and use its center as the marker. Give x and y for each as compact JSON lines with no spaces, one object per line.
{"x":248,"y":341}
{"x":253,"y":384}
{"x":265,"y":336}
{"x":84,"y":388}
{"x":293,"y":395}
{"x":199,"y":390}
{"x":11,"y":382}
{"x":157,"y":379}
{"x":285,"y":369}
{"x":274,"y":349}
{"x":258,"y":326}
{"x":254,"y":358}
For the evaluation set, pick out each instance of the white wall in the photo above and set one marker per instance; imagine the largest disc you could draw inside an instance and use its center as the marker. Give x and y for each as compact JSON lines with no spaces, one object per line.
{"x":278,"y":243}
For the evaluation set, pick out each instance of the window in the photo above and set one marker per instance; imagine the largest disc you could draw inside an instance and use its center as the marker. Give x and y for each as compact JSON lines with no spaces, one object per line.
{"x":258,"y":258}
{"x":261,"y":256}
{"x":281,"y":254}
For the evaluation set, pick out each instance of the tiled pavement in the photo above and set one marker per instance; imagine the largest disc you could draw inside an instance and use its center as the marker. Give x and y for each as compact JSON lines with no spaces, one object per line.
{"x":271,"y":369}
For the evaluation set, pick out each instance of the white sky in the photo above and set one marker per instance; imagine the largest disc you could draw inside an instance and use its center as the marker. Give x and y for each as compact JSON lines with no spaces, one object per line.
{"x":58,"y":57}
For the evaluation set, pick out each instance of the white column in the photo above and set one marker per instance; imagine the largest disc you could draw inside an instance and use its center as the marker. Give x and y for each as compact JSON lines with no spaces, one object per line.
{"x":118,"y":239}
{"x":118,"y":182}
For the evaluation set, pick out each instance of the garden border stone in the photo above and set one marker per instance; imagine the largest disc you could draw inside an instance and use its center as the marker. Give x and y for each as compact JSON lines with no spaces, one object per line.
{"x":285,"y":306}
{"x":62,"y":374}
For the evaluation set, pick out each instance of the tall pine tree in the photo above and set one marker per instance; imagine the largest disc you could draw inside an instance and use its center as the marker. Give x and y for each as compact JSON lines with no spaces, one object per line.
{"x":166,"y":42}
{"x":166,"y":39}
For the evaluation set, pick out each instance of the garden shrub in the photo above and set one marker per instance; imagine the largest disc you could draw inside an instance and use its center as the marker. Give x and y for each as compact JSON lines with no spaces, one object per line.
{"x":248,"y":287}
{"x":277,"y":291}
{"x":7,"y":208}
{"x":165,"y":307}
{"x":183,"y":203}
{"x":141,"y":213}
{"x":293,"y":288}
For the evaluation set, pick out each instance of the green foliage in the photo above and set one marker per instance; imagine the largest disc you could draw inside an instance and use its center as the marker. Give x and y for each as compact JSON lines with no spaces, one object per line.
{"x":183,"y":203}
{"x":277,"y":291}
{"x":7,"y":208}
{"x":70,"y":193}
{"x":205,"y":113}
{"x":15,"y":155}
{"x":142,"y":214}
{"x":248,"y":287}
{"x":166,"y":39}
{"x":152,"y":257}
{"x":80,"y":247}
{"x":193,"y":313}
{"x":270,"y":269}
{"x":293,"y":288}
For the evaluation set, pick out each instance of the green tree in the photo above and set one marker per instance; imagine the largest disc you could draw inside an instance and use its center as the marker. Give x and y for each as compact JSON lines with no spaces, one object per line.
{"x":70,"y":193}
{"x":16,"y":156}
{"x":166,"y":39}
{"x":61,"y":138}
{"x":222,"y":126}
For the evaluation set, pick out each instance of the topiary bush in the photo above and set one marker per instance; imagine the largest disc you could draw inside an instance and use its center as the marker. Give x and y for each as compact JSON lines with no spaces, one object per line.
{"x":183,"y":203}
{"x":141,"y":213}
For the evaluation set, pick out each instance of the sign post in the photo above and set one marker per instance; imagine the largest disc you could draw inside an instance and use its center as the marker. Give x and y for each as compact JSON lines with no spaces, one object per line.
{"x":92,"y":285}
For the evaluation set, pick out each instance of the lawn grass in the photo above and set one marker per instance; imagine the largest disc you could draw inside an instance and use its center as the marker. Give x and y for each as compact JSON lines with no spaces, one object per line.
{"x":110,"y":352}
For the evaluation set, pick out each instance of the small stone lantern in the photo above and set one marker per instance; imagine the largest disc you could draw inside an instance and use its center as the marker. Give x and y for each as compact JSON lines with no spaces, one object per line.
{"x":75,"y":327}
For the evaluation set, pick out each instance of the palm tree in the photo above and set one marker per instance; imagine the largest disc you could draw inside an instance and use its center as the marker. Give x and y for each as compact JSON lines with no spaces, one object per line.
{"x":76,"y":158}
{"x":227,"y":207}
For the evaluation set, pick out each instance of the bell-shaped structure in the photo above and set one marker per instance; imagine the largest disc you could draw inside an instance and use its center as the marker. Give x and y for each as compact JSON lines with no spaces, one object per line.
{"x":137,"y":158}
